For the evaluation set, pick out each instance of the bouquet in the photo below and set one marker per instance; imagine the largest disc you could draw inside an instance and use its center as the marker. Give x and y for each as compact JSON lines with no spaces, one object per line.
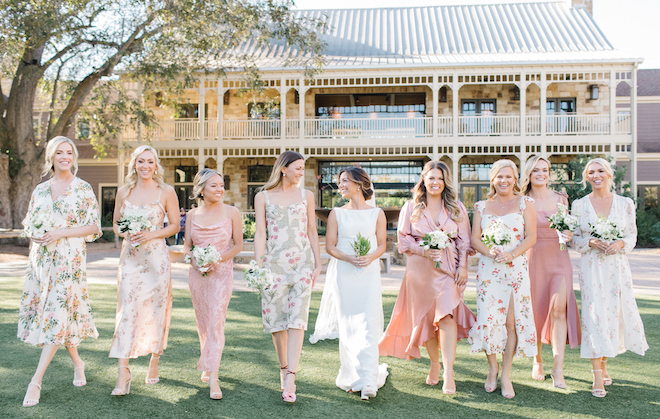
{"x":134,"y":220}
{"x":606,"y":230}
{"x":497,"y":234}
{"x":204,"y":257}
{"x":41,"y":221}
{"x":562,"y":220}
{"x":361,"y":246}
{"x":258,"y":278}
{"x":437,"y":239}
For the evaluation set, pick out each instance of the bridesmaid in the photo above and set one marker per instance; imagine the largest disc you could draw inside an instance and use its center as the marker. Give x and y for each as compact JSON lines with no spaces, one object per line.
{"x":291,"y":251}
{"x":611,"y":323}
{"x":144,"y":289}
{"x":505,"y":321}
{"x":217,"y":224}
{"x":430,"y":310}
{"x":551,"y":275}
{"x":54,"y":307}
{"x":351,"y":306}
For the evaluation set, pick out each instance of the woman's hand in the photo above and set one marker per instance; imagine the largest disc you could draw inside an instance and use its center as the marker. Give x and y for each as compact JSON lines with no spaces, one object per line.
{"x":50,"y":237}
{"x":364,"y":261}
{"x":598,"y":244}
{"x":505,"y":257}
{"x":495,"y":251}
{"x":461,"y":276}
{"x":433,"y":254}
{"x":141,"y":237}
{"x":315,"y":275}
{"x":614,"y":247}
{"x":568,"y":235}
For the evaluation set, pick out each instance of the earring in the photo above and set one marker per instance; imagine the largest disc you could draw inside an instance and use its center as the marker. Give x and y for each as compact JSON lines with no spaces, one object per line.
{"x":284,"y":174}
{"x":358,"y":188}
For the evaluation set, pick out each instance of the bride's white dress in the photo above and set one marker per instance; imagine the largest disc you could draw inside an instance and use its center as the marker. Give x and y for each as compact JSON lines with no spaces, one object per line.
{"x":351,"y":306}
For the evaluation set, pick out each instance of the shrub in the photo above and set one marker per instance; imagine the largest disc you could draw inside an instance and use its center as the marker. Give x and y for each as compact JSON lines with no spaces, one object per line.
{"x":249,"y":228}
{"x":648,"y":227}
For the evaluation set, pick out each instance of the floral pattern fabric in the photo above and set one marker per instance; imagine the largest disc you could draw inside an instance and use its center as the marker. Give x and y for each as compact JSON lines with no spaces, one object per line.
{"x":611,"y":323}
{"x":54,"y":308}
{"x":289,"y":256}
{"x":496,"y":283}
{"x":144,"y":294}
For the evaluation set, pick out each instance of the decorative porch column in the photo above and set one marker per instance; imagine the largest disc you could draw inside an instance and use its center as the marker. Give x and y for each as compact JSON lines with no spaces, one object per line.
{"x":201,"y":91}
{"x":455,"y":87}
{"x":302,"y":90}
{"x":612,"y":88}
{"x":201,"y":158}
{"x":283,"y":92}
{"x":522,"y":88}
{"x":434,"y":128}
{"x":121,"y":167}
{"x":221,"y":109}
{"x":633,"y":131}
{"x":543,"y":85}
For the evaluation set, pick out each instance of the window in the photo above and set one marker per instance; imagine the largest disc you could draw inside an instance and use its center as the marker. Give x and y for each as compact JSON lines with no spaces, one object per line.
{"x":108,"y":194}
{"x":476,"y":172}
{"x":473,"y":107}
{"x":477,"y":116}
{"x":471,"y":193}
{"x":374,"y":105}
{"x":183,"y":184}
{"x":560,"y":106}
{"x":257,"y":176}
{"x":648,"y":195}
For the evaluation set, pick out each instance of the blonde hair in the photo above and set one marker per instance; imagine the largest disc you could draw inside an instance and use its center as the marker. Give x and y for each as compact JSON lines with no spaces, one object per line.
{"x":132,"y":176}
{"x":527,"y":173}
{"x":497,"y":166}
{"x":51,"y":149}
{"x":449,"y":196}
{"x":284,"y":160}
{"x":199,"y":183}
{"x":608,"y":169}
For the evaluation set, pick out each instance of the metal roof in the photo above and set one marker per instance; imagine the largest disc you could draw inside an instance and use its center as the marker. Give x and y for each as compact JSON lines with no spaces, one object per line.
{"x":450,"y":36}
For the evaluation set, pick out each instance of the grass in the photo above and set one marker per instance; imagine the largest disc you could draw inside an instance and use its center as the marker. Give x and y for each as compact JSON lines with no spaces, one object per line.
{"x":250,"y":381}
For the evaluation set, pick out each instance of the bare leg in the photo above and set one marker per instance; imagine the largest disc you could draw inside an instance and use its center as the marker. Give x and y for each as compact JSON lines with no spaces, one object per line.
{"x":214,"y":386}
{"x":448,"y":340}
{"x":537,"y":368}
{"x":607,"y":380}
{"x":598,"y":388}
{"x":509,"y":351}
{"x":493,"y":370}
{"x":559,"y":336}
{"x":294,"y":346}
{"x":79,"y":379}
{"x":152,"y":374}
{"x":280,"y":340}
{"x":434,"y":353}
{"x":123,"y":377}
{"x":34,"y":391}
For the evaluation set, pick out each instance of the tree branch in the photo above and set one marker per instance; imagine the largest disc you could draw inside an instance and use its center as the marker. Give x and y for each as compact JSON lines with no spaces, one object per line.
{"x":62,"y":53}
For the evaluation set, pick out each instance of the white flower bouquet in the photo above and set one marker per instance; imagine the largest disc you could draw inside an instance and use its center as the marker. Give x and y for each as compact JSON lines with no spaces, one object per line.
{"x":204,"y":257}
{"x":437,"y":239}
{"x":41,"y":222}
{"x":134,"y":220}
{"x":361,"y":246}
{"x":258,"y":278}
{"x":562,"y":220}
{"x":606,"y":230}
{"x":497,"y":234}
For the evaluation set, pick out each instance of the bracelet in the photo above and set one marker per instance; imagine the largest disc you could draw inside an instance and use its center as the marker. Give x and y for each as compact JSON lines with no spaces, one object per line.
{"x":512,"y":256}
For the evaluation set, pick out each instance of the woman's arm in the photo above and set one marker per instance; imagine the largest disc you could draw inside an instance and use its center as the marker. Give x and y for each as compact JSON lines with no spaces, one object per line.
{"x":236,"y":233}
{"x":462,"y":245}
{"x":313,"y":235}
{"x":116,"y":214}
{"x":475,"y":238}
{"x":187,"y":240}
{"x":260,"y":228}
{"x":629,"y":240}
{"x":582,"y":240}
{"x":406,"y":241}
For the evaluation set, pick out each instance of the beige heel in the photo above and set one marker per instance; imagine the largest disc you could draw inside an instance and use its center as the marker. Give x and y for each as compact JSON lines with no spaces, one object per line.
{"x":81,"y":381}
{"x":32,"y":402}
{"x":147,"y":379}
{"x":538,"y":377}
{"x":215,"y":395}
{"x":118,"y":391}
{"x":597,"y":392}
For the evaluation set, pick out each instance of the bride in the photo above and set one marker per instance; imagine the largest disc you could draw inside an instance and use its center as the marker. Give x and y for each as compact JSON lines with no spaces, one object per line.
{"x":351,"y":307}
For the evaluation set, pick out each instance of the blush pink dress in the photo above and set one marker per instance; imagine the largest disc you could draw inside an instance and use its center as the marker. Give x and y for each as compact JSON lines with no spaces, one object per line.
{"x":548,"y":267}
{"x":427,"y":293}
{"x":211,"y":293}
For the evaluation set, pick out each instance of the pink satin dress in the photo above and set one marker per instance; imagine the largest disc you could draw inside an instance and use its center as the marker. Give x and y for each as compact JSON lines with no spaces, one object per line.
{"x":427,"y":294}
{"x":548,"y":267}
{"x":211,"y":293}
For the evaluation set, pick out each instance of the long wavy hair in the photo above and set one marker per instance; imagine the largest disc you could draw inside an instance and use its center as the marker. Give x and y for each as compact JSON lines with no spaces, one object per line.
{"x":51,"y":149}
{"x":449,"y":196}
{"x":132,"y":176}
{"x":283,"y":160}
{"x":527,"y":172}
{"x":360,"y":177}
{"x":497,"y":166}
{"x":608,"y":169}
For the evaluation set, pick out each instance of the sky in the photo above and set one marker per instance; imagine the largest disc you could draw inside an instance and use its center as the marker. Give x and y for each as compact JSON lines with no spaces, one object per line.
{"x":627,"y":24}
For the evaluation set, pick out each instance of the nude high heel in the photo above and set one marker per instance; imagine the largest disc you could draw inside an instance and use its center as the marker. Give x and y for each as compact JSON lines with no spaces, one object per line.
{"x":597,"y":392}
{"x":80,"y":381}
{"x":554,"y":379}
{"x":283,"y":371}
{"x":118,"y":391}
{"x":290,"y":397}
{"x":32,"y":402}
{"x":215,"y":395}
{"x":538,"y":377}
{"x":147,"y":379}
{"x":435,"y":366}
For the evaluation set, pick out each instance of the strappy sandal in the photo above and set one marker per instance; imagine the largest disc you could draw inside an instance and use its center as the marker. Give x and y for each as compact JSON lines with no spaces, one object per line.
{"x":206,"y":375}
{"x":430,"y":381}
{"x":554,"y":379}
{"x":446,"y":390}
{"x":597,"y":392}
{"x":215,"y":395}
{"x":488,"y":388}
{"x":32,"y":402}
{"x":149,"y":380}
{"x":80,"y":381}
{"x":283,"y":371}
{"x":289,"y":397}
{"x":538,"y":377}
{"x":118,"y":391}
{"x":607,"y":381}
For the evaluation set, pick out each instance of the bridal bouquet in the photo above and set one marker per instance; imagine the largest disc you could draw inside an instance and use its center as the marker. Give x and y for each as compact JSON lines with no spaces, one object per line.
{"x":135,"y":220}
{"x":437,"y":239}
{"x":361,"y":246}
{"x":204,"y":257}
{"x":497,"y":234}
{"x":562,"y":220}
{"x":258,"y":278}
{"x":606,"y":230}
{"x":41,"y":221}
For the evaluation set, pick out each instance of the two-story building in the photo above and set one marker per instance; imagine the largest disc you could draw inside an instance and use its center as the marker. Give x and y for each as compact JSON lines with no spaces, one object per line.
{"x":464,"y":84}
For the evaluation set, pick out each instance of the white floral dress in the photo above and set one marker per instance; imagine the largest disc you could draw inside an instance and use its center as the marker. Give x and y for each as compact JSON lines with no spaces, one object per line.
{"x":54,"y":308}
{"x":496,"y":283}
{"x":289,"y":256}
{"x":611,"y":323}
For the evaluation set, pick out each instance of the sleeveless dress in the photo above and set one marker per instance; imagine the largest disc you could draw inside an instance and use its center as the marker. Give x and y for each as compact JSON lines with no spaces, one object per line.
{"x":611,"y":323}
{"x":496,"y":283}
{"x":54,"y":308}
{"x":211,"y":293}
{"x":289,"y":256}
{"x":144,"y":293}
{"x":548,"y":267}
{"x":427,"y":294}
{"x":351,"y":306}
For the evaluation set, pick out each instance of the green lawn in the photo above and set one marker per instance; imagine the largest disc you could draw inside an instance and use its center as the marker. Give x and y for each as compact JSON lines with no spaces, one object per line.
{"x":250,"y":381}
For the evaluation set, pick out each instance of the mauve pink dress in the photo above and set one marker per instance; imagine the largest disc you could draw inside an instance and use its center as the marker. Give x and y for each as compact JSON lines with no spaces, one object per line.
{"x":548,"y":266}
{"x":211,"y":293}
{"x":427,"y":294}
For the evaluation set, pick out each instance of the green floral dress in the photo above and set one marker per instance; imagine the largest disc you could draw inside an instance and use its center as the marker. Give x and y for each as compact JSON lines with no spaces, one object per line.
{"x":54,"y":308}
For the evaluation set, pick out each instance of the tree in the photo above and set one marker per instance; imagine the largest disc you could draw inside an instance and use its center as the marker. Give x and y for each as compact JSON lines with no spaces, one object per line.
{"x":75,"y":48}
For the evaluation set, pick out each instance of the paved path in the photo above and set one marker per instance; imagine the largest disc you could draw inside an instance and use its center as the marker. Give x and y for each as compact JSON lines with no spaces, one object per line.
{"x":102,"y":261}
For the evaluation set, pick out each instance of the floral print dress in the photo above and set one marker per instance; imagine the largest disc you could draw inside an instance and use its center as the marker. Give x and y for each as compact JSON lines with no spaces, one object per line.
{"x":54,"y":308}
{"x":496,"y":283}
{"x":144,"y":293}
{"x":611,"y":323}
{"x":289,"y":256}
